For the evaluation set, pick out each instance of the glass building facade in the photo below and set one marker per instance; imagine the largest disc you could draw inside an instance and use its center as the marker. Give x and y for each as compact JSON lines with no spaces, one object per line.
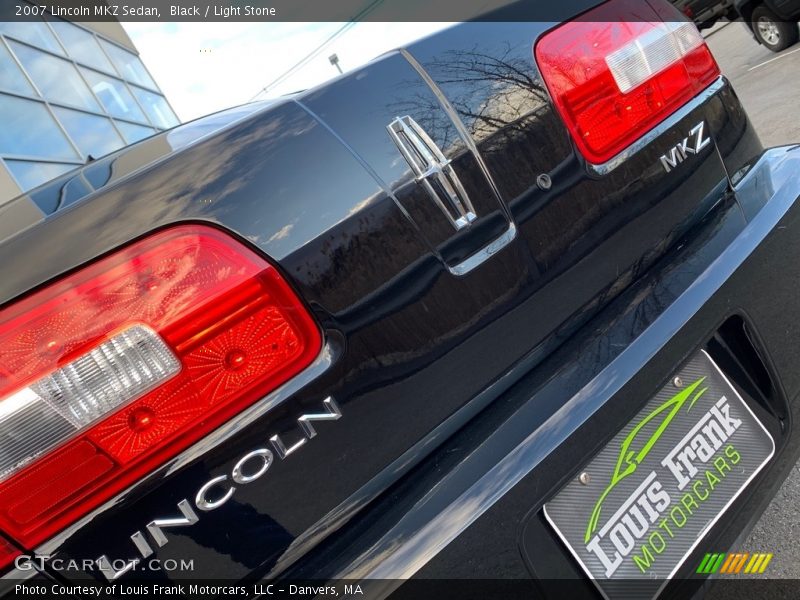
{"x":68,"y":93}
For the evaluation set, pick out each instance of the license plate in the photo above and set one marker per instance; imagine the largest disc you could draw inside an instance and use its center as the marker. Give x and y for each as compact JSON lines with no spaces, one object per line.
{"x":640,"y":506}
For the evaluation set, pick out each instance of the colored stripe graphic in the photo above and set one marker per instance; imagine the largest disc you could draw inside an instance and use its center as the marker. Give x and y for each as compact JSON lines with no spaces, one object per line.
{"x":740,"y":563}
{"x":758,"y":563}
{"x":729,"y":562}
{"x":767,"y":558}
{"x":735,"y":563}
{"x":711,"y":563}
{"x":703,"y":563}
{"x":717,"y":564}
{"x":755,"y":561}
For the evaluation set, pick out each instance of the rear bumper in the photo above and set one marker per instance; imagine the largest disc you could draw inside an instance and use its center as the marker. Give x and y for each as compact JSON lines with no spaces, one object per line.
{"x":474,"y":510}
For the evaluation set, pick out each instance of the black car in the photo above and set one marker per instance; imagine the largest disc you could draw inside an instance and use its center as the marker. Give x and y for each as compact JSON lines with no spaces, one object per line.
{"x":772,"y":22}
{"x":516,"y":301}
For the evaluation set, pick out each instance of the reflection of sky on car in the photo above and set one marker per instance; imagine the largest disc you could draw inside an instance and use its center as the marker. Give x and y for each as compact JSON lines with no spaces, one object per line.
{"x":206,"y":67}
{"x":186,"y":134}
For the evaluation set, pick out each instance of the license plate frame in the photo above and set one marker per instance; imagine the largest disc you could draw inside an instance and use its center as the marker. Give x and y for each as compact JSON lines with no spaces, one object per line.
{"x":702,"y":413}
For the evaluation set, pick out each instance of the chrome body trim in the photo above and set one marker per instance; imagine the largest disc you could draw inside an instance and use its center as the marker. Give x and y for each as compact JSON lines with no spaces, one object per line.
{"x":15,"y":576}
{"x":657,"y":131}
{"x":431,"y":167}
{"x":485,"y":253}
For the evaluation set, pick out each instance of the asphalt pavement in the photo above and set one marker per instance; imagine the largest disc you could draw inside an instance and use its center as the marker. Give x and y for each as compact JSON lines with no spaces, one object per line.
{"x":768,"y":85}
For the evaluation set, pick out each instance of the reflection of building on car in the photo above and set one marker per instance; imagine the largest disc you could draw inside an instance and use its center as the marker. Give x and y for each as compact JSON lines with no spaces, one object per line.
{"x":772,"y":22}
{"x":84,"y":87}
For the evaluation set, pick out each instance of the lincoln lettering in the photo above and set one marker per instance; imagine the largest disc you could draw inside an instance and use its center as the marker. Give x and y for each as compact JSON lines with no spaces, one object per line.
{"x":217,"y":491}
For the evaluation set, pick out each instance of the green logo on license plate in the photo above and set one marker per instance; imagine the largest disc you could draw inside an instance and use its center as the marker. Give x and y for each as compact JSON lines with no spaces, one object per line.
{"x":629,"y":458}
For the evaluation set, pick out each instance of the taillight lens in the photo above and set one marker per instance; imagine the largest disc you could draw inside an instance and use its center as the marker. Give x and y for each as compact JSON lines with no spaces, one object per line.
{"x":620,"y":70}
{"x":111,"y":371}
{"x":7,"y":555}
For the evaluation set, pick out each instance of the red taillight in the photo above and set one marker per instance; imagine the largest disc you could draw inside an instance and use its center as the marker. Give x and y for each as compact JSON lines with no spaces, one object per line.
{"x":7,"y":555}
{"x":620,"y":70}
{"x":111,"y":371}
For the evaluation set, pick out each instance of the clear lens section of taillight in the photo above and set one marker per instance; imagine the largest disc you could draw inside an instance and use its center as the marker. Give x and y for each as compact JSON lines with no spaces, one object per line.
{"x":651,"y":53}
{"x":50,"y":410}
{"x":111,"y":371}
{"x":621,"y":69}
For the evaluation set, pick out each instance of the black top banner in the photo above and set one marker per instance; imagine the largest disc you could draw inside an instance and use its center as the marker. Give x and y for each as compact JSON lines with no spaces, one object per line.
{"x":312,"y":10}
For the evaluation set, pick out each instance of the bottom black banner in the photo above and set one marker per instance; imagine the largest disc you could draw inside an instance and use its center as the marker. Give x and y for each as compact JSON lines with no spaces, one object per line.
{"x":414,"y":589}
